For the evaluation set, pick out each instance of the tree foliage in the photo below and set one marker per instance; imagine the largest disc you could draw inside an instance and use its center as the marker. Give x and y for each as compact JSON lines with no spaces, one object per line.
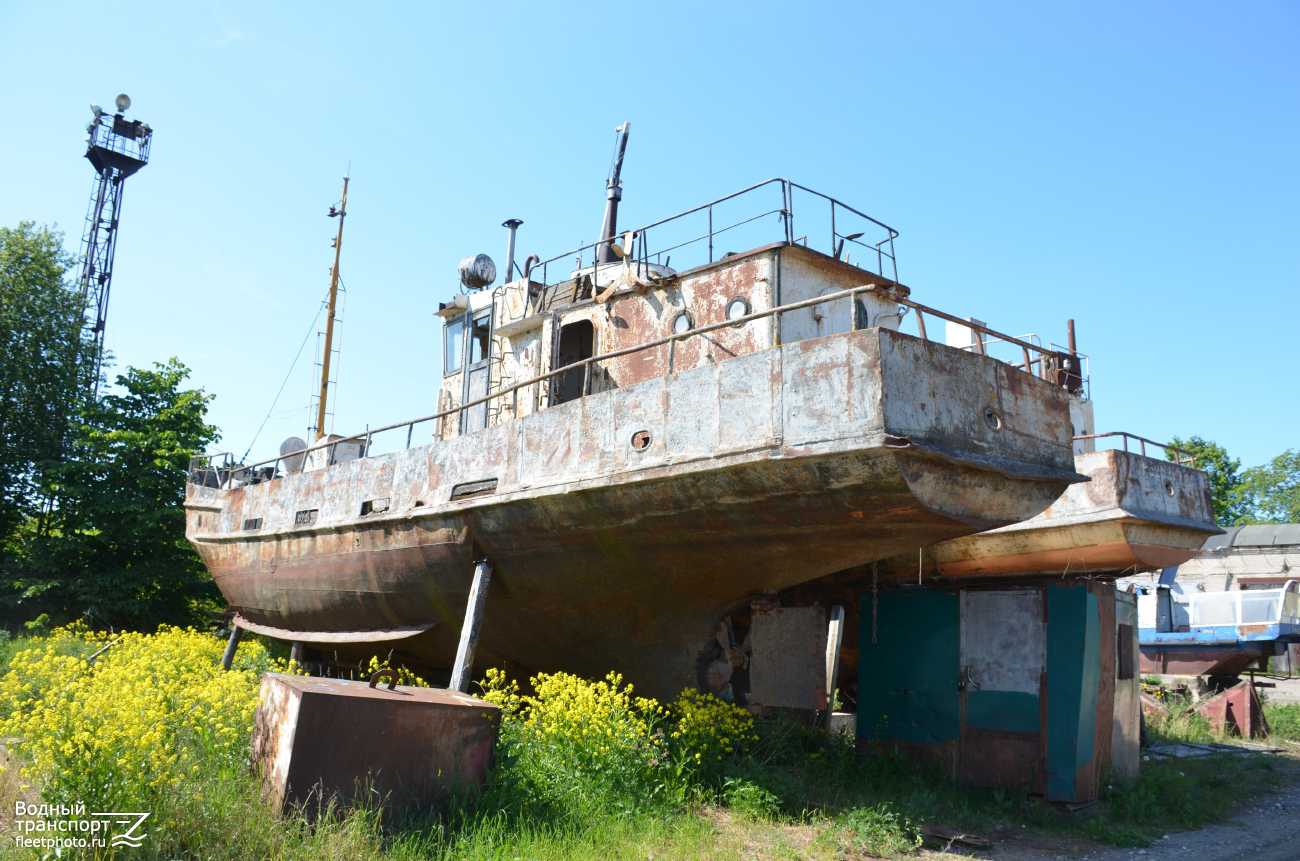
{"x":1271,"y":493}
{"x":113,"y":549}
{"x":1262,"y":494}
{"x":1223,"y":472}
{"x":44,"y":370}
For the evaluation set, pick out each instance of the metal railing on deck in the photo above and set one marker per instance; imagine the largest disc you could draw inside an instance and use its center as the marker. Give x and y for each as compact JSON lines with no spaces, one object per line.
{"x":642,"y":253}
{"x":1182,"y":456}
{"x":270,"y":467}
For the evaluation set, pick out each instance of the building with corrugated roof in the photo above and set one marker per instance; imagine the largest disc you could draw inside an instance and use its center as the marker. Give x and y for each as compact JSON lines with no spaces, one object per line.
{"x":1243,"y":557}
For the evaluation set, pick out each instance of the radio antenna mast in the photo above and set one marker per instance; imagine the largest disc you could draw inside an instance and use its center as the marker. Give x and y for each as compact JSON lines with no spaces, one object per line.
{"x":340,"y":213}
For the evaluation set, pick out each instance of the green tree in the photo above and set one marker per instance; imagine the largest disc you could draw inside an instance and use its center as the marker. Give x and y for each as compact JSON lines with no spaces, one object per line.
{"x":1222,"y":471}
{"x":43,"y":372}
{"x":1271,"y":493}
{"x":116,"y":552}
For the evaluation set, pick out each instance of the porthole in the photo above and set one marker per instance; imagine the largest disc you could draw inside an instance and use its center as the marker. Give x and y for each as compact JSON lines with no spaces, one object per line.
{"x":682,"y":323}
{"x":992,"y":419}
{"x":1169,"y":488}
{"x":641,"y":440}
{"x":737,"y":308}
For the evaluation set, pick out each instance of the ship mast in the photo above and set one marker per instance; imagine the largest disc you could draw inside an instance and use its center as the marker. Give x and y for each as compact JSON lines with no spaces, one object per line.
{"x":329,"y":320}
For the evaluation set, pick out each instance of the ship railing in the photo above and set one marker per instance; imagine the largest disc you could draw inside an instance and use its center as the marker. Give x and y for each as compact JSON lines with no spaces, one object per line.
{"x":1046,"y":364}
{"x":684,"y":234}
{"x":1181,"y":456}
{"x":109,"y":132}
{"x":1246,"y":607}
{"x":231,"y":474}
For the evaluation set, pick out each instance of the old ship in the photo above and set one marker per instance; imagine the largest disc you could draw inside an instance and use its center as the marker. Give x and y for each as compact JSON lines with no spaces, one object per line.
{"x":642,"y":450}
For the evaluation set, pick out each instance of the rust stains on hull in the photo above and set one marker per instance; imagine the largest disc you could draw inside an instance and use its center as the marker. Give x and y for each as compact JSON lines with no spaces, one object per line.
{"x":761,"y":472}
{"x":634,"y":578}
{"x":1135,"y":513}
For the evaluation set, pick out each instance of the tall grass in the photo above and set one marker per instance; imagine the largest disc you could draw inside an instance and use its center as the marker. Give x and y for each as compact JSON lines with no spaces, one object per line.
{"x":584,"y":769}
{"x":1283,"y":722}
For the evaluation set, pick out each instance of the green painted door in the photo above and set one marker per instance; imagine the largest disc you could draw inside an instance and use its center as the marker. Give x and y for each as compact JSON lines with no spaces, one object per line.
{"x":908,"y":677}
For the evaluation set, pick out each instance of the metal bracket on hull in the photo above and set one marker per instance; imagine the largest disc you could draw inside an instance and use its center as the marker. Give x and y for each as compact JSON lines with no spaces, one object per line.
{"x":369,"y":636}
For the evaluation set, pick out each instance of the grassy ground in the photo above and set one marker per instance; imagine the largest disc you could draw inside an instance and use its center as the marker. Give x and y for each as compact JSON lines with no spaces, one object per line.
{"x":689,"y":780}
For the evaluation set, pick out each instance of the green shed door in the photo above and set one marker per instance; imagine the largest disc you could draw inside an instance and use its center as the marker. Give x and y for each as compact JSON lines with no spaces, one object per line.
{"x":907,"y":678}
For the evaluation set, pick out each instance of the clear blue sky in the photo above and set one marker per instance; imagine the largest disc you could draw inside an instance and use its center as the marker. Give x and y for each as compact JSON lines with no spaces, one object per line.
{"x":1133,"y":166}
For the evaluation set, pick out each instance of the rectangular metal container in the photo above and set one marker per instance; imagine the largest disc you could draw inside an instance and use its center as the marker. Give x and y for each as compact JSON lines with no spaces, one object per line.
{"x":336,"y":738}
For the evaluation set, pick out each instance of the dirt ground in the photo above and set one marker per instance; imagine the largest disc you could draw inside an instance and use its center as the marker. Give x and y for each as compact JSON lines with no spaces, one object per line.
{"x":1267,"y":829}
{"x":1287,"y":691}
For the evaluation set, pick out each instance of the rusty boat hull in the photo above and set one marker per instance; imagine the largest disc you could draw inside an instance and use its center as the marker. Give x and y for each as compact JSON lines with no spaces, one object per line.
{"x":1135,"y":513}
{"x":762,"y":472}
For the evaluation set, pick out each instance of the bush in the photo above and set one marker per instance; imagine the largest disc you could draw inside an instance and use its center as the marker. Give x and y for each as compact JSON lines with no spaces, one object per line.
{"x":579,"y":748}
{"x":130,"y":725}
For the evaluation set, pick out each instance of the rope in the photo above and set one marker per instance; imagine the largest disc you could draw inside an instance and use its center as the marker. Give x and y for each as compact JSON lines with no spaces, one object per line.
{"x":282,"y":385}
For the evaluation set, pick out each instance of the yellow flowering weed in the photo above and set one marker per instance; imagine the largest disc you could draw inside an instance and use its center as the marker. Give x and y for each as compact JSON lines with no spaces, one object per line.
{"x":135,"y":721}
{"x":581,"y":744}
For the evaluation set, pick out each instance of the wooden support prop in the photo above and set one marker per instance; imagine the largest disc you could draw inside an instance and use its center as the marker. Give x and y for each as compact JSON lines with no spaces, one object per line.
{"x":469,"y":632}
{"x":834,"y":636}
{"x":296,"y":653}
{"x":95,"y":656}
{"x":236,"y":633}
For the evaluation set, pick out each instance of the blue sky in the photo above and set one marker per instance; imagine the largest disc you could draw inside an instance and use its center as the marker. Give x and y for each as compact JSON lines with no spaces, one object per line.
{"x":1132,"y":166}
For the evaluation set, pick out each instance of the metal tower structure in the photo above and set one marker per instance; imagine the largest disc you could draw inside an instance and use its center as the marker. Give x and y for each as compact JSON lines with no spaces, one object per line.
{"x":116,"y":148}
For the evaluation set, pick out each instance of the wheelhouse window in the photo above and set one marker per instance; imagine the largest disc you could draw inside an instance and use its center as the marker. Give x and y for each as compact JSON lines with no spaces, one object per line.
{"x":480,"y":339}
{"x":454,"y":336}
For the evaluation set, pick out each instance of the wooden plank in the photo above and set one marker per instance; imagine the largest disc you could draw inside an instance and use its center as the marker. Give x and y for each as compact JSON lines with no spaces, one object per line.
{"x":463,"y":668}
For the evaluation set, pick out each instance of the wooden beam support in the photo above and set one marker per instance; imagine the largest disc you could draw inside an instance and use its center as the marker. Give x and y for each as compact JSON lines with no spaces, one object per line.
{"x":469,"y":632}
{"x":236,"y":634}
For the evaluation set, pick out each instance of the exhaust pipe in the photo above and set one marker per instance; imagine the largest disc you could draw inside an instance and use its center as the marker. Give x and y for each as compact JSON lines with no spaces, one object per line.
{"x":512,"y":225}
{"x":613,"y":194}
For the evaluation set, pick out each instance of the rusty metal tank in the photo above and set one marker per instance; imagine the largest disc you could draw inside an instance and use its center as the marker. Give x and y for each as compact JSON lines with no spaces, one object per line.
{"x":782,"y":436}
